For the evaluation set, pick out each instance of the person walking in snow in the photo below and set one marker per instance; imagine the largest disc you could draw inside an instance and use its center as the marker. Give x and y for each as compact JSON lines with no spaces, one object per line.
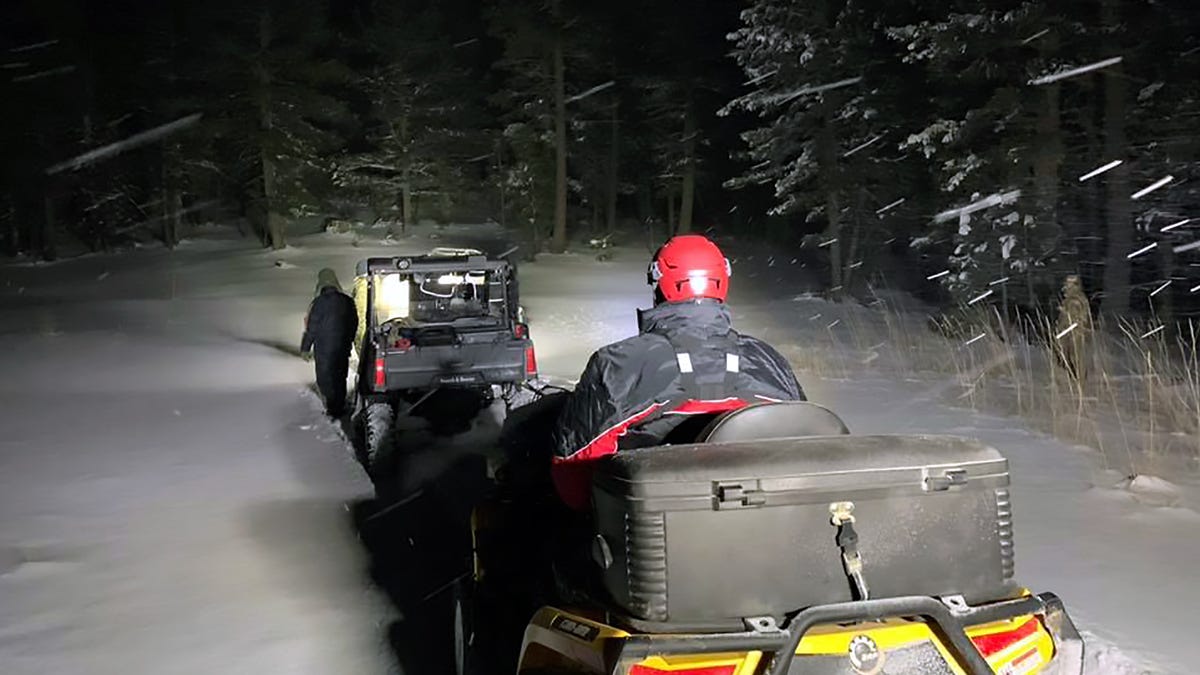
{"x":1075,"y":326}
{"x":329,"y":328}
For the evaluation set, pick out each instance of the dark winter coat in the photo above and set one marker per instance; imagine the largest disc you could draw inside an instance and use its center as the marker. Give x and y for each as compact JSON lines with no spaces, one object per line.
{"x":687,"y":360}
{"x":329,"y":329}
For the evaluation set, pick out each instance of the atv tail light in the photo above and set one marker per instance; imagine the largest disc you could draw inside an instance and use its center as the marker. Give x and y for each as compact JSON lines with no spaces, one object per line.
{"x":530,"y":361}
{"x":705,"y":670}
{"x":520,"y":331}
{"x":380,"y":374}
{"x":994,"y":643}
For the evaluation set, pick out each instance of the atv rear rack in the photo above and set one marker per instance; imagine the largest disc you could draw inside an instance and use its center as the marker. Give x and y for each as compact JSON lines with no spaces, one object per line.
{"x":949,"y":622}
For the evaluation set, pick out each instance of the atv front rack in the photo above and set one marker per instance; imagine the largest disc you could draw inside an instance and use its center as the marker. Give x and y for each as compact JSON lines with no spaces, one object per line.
{"x":948,"y":620}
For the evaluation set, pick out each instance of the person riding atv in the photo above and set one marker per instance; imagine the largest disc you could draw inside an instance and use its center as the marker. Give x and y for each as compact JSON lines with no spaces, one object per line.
{"x":722,"y":525}
{"x":686,"y":364}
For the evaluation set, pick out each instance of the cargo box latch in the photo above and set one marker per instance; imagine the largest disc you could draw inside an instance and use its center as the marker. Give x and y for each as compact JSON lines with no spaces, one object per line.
{"x":938,"y":480}
{"x":736,"y":496}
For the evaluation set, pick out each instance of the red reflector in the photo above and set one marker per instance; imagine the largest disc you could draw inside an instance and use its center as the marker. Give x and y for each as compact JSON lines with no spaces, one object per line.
{"x":710,"y":670}
{"x":403,"y":344}
{"x":520,"y":330}
{"x":997,"y":642}
{"x":530,"y":361}
{"x":380,"y":374}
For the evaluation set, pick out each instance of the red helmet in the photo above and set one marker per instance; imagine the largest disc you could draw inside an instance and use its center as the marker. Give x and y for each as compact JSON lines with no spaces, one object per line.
{"x":690,"y":267}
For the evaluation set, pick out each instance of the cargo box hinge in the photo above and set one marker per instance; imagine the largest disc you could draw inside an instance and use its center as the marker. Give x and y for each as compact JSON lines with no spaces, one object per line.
{"x":736,"y":496}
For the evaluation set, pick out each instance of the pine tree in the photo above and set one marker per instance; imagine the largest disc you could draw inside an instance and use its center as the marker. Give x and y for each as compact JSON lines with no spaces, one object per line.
{"x":824,"y":105}
{"x":425,"y":120}
{"x":275,"y":112}
{"x":994,"y":143}
{"x":533,"y":99}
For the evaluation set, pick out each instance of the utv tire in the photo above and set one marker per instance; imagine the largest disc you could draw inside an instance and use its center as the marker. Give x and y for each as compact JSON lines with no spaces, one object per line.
{"x":379,"y":436}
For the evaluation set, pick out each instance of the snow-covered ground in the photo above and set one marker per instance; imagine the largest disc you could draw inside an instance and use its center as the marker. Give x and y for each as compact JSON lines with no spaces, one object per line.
{"x":172,"y":501}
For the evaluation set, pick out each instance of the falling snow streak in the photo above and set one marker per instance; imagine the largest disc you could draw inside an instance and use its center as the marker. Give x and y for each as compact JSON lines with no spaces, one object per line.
{"x":891,"y":206}
{"x":975,"y":339}
{"x":1160,"y":288}
{"x":45,"y":73}
{"x":1096,"y":172}
{"x":479,"y":158}
{"x":16,"y":65}
{"x":1152,"y":332}
{"x":594,"y":90}
{"x":1152,"y":187}
{"x":464,"y":43}
{"x":1186,"y":247}
{"x":861,"y":146}
{"x":1055,"y":77}
{"x":36,"y":45}
{"x":1035,"y":36}
{"x":1062,"y":333}
{"x":814,"y":317}
{"x":835,"y":322}
{"x":979,"y":297}
{"x":148,"y":136}
{"x":939,"y":275}
{"x":784,"y":98}
{"x":1001,"y":280}
{"x":1172,"y":226}
{"x":760,"y":78}
{"x":1144,"y":249}
{"x":826,"y":243}
{"x":987,"y":202}
{"x":1194,"y":289}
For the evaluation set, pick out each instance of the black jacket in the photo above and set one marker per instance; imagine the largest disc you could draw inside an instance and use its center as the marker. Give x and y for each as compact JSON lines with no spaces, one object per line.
{"x":630,"y":387}
{"x":331,"y":323}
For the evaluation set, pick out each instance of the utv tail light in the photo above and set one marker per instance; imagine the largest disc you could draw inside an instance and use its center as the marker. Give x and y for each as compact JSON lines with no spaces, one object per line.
{"x":994,"y":643}
{"x":380,"y":374}
{"x":530,"y":361}
{"x":706,"y":670}
{"x":403,"y":344}
{"x":520,"y":331}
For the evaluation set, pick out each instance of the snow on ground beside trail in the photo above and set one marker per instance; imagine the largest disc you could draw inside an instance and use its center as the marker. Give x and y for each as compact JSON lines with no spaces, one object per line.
{"x":172,"y":500}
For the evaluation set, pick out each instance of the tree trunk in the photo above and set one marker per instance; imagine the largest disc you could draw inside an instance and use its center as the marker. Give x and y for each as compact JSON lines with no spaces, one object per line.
{"x":614,"y":157}
{"x":1046,"y":165}
{"x":406,"y":200}
{"x":170,"y":198}
{"x":45,"y":236}
{"x":855,"y":230}
{"x":827,"y":166}
{"x":559,"y":242}
{"x":670,"y":211}
{"x":1163,"y":304}
{"x":687,"y":188}
{"x":275,"y":225}
{"x":444,"y":202}
{"x":1115,"y":301}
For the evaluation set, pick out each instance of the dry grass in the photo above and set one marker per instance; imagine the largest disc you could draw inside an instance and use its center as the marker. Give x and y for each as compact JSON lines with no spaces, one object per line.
{"x":1137,"y":401}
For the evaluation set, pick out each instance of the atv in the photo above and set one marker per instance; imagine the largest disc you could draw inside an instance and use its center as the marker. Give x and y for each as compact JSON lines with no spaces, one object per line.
{"x":442,"y":335}
{"x":772,"y":542}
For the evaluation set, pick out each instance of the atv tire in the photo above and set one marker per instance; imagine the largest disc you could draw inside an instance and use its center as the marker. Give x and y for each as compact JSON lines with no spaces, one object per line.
{"x":379,"y":439}
{"x":466,"y":652}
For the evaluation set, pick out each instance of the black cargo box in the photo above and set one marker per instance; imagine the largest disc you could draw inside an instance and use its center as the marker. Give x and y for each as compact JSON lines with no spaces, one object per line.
{"x":707,"y":533}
